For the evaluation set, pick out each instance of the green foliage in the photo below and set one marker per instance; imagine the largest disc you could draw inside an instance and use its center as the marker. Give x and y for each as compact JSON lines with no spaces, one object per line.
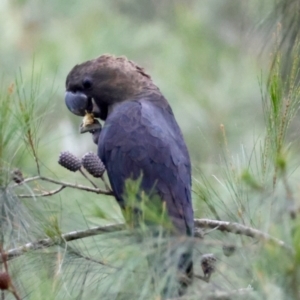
{"x":255,"y":190}
{"x":146,"y":209}
{"x":8,"y":132}
{"x":202,"y":56}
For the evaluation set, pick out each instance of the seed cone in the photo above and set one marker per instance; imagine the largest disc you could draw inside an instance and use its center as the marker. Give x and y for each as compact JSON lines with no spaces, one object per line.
{"x":69,"y":161}
{"x":93,"y":164}
{"x":4,"y":281}
{"x":17,"y":176}
{"x":208,"y":264}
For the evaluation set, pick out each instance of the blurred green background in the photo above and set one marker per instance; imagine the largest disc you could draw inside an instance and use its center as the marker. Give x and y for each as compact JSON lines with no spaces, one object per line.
{"x":204,"y":55}
{"x":209,"y":59}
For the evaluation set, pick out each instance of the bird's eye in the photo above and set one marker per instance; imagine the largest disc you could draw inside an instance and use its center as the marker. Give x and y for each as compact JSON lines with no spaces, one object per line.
{"x":87,"y":83}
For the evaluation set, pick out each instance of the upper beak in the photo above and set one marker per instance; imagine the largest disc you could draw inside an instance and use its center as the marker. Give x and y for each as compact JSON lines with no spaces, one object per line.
{"x":82,"y":105}
{"x":78,"y":103}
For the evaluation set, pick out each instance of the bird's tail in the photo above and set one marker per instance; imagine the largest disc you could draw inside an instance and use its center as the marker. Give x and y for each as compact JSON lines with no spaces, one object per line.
{"x":172,"y":269}
{"x":186,"y":271}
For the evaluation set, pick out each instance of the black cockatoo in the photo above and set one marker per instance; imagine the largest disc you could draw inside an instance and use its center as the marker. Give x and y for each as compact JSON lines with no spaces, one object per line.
{"x":140,"y":136}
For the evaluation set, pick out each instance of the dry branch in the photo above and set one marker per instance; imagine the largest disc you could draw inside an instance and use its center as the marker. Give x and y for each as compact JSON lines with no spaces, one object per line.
{"x":237,"y":228}
{"x":63,"y":185}
{"x":67,"y":237}
{"x":77,"y":186}
{"x":221,"y":295}
{"x":199,"y":223}
{"x":45,"y":194}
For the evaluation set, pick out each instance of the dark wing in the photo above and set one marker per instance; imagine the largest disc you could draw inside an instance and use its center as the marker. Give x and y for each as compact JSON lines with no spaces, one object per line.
{"x":139,"y":136}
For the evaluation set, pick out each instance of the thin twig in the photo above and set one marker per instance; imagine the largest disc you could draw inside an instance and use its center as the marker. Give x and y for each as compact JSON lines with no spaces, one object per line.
{"x":86,"y":177}
{"x":14,"y":292}
{"x":93,"y":184}
{"x":291,"y":206}
{"x":4,"y":259}
{"x":67,"y":237}
{"x":11,"y":286}
{"x":203,"y":278}
{"x":67,"y":184}
{"x":219,"y":295}
{"x":45,"y":194}
{"x":29,"y":179}
{"x":30,"y":140}
{"x":106,"y":184}
{"x":77,"y":186}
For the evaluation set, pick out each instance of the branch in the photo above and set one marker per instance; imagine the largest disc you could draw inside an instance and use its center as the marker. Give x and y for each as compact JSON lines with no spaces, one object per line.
{"x":87,"y":178}
{"x":203,"y":278}
{"x":93,"y":184}
{"x":106,"y":184}
{"x":199,"y":223}
{"x":26,"y":180}
{"x":220,"y":295}
{"x":67,"y":237}
{"x":45,"y":194}
{"x":64,"y":185}
{"x":77,"y":186}
{"x":237,"y":228}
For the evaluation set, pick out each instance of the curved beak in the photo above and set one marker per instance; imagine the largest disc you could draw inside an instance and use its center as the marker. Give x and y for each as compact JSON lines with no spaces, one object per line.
{"x":82,"y":105}
{"x":78,"y":103}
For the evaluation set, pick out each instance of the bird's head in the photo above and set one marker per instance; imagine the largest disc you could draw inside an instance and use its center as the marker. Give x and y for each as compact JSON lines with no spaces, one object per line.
{"x":95,"y":86}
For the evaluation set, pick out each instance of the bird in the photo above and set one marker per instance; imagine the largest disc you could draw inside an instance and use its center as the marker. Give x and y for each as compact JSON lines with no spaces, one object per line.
{"x":140,"y":139}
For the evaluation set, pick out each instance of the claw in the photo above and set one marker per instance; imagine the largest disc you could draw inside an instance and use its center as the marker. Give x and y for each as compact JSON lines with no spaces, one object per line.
{"x":89,"y":123}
